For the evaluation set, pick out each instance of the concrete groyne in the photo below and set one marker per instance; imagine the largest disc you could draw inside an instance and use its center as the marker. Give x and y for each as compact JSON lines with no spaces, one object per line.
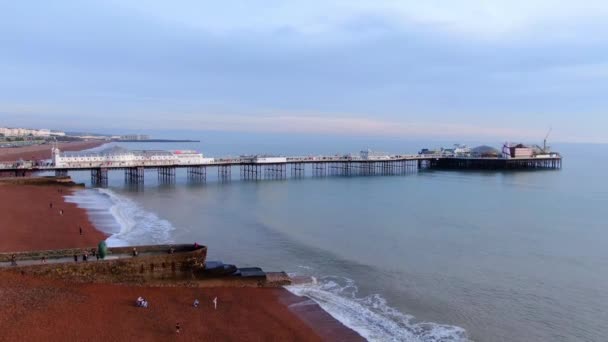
{"x":156,"y":265}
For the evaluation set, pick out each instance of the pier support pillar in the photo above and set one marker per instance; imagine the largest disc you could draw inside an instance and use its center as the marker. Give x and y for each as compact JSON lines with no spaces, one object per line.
{"x":134,"y":175}
{"x":197,"y":173}
{"x":297,"y":170}
{"x":224,"y":173}
{"x":275,"y":171}
{"x":319,"y":169}
{"x":251,"y":171}
{"x":99,"y":177}
{"x":61,"y":173}
{"x":166,"y":174}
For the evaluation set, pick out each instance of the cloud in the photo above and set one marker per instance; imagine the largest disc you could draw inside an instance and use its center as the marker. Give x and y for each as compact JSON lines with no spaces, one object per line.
{"x":480,"y":18}
{"x":348,"y":125}
{"x":399,"y":67}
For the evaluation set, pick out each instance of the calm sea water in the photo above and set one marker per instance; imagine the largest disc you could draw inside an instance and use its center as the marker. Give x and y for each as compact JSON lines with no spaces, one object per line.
{"x":429,"y":256}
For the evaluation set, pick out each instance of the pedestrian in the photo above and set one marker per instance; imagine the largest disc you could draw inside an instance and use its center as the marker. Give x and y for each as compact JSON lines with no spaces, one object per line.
{"x":13,"y":260}
{"x":177,"y":327}
{"x":61,"y":212}
{"x":75,"y":257}
{"x":196,"y":303}
{"x":135,"y":252}
{"x":215,"y":303}
{"x":80,"y":228}
{"x":51,"y":205}
{"x":44,"y":259}
{"x":85,"y":256}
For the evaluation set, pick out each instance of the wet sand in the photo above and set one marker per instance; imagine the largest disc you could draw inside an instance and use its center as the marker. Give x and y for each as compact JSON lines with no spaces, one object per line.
{"x":39,"y":152}
{"x":40,"y":309}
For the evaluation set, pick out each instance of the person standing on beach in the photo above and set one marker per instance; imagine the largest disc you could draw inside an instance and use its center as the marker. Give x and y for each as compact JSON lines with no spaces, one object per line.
{"x":215,"y":303}
{"x":80,"y":228}
{"x":61,"y":212}
{"x":177,"y":327}
{"x":75,"y":257}
{"x":51,"y":205}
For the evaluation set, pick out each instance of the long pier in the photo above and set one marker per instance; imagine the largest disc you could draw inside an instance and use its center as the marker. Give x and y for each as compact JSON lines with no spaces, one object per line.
{"x":291,"y":167}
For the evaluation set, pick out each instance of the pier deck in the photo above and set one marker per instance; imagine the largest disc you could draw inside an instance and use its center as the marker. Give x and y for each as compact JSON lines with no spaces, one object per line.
{"x":298,"y":166}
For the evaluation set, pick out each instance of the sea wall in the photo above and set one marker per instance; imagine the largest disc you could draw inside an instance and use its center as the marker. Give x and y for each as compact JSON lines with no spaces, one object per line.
{"x":23,"y":177}
{"x":153,"y":264}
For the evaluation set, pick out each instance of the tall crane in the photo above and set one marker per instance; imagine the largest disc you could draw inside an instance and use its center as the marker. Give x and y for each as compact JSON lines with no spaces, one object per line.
{"x":545,"y":140}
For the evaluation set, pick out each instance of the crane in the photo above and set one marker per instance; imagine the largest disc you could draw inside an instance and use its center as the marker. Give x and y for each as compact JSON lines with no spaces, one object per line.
{"x":545,"y":140}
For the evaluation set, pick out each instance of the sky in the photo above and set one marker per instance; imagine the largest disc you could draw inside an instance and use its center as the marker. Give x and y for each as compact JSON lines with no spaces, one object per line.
{"x":467,"y":69}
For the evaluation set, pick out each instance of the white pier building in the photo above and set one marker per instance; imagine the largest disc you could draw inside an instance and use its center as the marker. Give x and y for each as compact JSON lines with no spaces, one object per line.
{"x":118,"y":157}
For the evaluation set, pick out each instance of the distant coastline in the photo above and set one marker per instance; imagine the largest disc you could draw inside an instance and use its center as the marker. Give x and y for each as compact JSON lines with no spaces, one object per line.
{"x":43,"y":151}
{"x":154,"y":140}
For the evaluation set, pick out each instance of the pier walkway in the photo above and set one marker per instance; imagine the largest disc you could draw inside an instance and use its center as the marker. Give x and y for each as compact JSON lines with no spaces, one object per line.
{"x":256,"y":168}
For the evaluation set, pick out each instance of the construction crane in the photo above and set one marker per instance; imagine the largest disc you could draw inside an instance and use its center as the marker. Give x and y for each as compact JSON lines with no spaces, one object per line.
{"x":545,"y":140}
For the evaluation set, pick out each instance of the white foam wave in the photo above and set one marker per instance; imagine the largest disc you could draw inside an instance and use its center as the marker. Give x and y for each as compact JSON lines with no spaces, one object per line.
{"x":371,"y":316}
{"x":121,"y":217}
{"x":137,"y":225}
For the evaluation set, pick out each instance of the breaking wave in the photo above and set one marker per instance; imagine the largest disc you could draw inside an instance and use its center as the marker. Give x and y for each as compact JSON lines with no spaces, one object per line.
{"x":126,"y":221}
{"x":371,"y":316}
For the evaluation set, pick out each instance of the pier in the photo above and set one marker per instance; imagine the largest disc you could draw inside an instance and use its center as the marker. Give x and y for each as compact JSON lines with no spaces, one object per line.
{"x":281,"y":168}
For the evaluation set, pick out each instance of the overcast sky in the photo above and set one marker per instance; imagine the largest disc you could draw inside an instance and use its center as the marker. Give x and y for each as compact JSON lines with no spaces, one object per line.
{"x":473,"y":69}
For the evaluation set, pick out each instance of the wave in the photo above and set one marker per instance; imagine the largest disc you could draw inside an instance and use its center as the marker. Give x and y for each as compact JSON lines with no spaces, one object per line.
{"x":127,"y":222}
{"x":371,"y":316}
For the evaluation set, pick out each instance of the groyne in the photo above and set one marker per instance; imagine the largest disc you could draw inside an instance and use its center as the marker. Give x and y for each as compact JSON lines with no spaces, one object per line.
{"x":157,"y":265}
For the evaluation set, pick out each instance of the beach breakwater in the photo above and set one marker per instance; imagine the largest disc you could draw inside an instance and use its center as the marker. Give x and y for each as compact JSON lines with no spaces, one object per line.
{"x":154,"y":266}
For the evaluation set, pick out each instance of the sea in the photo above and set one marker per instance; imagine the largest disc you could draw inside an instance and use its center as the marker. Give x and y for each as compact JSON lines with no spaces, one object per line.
{"x":425,"y":256}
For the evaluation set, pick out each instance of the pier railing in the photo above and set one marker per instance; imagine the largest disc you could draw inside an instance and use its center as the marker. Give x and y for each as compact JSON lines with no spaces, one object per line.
{"x":277,"y":167}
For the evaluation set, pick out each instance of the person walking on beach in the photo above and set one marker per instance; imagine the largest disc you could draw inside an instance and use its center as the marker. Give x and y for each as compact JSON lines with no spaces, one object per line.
{"x":80,"y":228}
{"x":13,"y":260}
{"x":177,"y":327}
{"x":215,"y":303}
{"x":61,"y":212}
{"x":75,"y":257}
{"x":44,"y":259}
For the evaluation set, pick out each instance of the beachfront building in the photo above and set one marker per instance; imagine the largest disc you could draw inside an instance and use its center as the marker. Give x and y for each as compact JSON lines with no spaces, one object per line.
{"x":119,"y":157}
{"x":485,"y":151}
{"x":269,"y":160}
{"x":23,"y":132}
{"x":374,"y":155}
{"x":461,"y":150}
{"x":517,"y":151}
{"x":135,"y":137}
